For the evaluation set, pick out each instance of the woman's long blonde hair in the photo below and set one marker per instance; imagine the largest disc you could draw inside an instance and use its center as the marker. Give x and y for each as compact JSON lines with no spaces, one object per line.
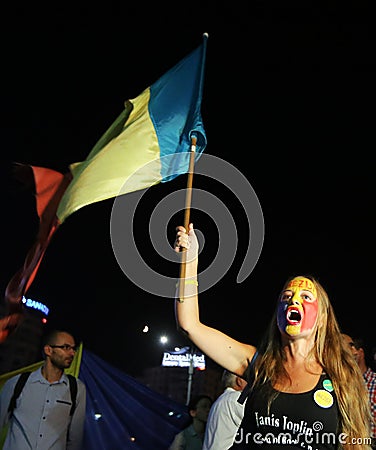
{"x":337,"y":362}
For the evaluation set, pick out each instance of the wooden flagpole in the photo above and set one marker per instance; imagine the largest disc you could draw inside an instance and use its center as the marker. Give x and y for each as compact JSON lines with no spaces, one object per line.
{"x":187,"y":212}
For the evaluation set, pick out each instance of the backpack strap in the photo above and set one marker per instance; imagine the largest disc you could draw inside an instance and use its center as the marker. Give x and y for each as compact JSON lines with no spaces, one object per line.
{"x":22,"y":381}
{"x":73,"y":391}
{"x":17,"y":391}
{"x":251,"y":376}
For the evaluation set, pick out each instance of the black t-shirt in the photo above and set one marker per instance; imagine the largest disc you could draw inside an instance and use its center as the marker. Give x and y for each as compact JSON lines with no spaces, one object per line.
{"x":307,"y":420}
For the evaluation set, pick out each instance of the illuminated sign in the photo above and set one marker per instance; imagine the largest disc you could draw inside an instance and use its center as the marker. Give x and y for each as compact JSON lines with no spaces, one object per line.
{"x":35,"y":305}
{"x":183,"y":358}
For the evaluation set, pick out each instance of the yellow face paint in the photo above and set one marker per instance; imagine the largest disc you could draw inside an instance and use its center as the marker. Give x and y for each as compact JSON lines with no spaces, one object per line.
{"x":302,"y":283}
{"x":293,"y":330}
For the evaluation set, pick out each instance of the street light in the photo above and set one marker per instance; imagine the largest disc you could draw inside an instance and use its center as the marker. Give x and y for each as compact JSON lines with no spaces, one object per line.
{"x":163,"y":339}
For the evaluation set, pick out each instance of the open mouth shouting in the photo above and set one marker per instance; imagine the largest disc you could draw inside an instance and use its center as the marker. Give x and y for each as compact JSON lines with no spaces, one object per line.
{"x":293,"y":315}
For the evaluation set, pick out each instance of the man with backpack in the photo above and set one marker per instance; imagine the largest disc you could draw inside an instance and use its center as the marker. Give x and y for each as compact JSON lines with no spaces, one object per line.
{"x":48,"y":412}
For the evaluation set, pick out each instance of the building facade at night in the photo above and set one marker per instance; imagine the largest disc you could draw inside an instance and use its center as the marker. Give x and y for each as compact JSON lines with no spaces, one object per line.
{"x":173,"y":382}
{"x":23,"y":347}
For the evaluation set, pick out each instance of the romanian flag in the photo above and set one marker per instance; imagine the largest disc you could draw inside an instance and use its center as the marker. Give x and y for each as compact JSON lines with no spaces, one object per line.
{"x":149,"y":142}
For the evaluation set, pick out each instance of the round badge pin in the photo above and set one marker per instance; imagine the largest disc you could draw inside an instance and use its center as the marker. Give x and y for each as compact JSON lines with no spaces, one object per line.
{"x":323,"y":398}
{"x":327,"y":385}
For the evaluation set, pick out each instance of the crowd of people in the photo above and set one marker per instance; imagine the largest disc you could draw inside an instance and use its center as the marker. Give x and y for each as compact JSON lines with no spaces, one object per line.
{"x":307,"y":385}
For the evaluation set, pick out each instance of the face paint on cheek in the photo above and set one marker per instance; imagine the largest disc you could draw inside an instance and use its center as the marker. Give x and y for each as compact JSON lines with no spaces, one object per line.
{"x":281,"y":316}
{"x":310,"y":315}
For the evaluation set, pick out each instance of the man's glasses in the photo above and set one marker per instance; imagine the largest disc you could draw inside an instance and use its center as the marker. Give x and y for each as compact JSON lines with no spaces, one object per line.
{"x":65,"y":347}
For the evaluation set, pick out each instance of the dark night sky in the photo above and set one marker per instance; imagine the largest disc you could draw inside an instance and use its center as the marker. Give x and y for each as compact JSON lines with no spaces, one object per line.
{"x":288,"y":100}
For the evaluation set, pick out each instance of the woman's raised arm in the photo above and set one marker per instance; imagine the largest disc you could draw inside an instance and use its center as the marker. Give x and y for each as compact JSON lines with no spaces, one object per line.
{"x":224,"y":350}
